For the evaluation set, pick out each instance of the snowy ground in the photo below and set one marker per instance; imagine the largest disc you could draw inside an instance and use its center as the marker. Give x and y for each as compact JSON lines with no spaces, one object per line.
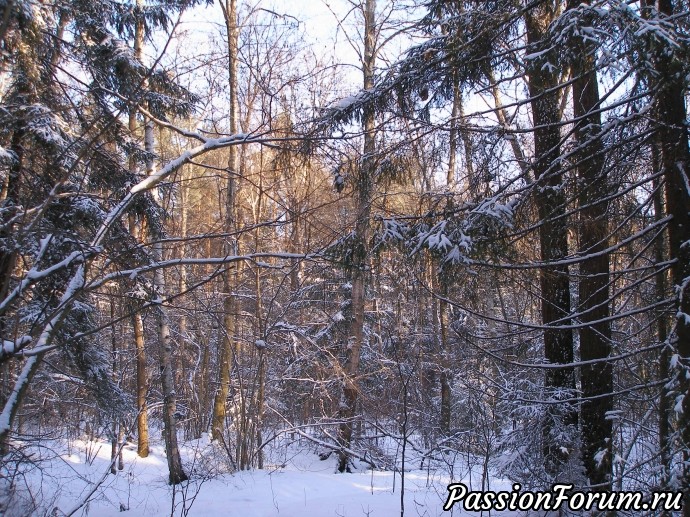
{"x":295,"y":482}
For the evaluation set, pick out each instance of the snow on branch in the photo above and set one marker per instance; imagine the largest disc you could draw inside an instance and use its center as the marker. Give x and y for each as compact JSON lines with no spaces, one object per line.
{"x":219,"y":261}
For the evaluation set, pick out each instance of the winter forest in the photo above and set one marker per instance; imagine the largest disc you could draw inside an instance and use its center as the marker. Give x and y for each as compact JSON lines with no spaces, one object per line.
{"x":389,"y":243}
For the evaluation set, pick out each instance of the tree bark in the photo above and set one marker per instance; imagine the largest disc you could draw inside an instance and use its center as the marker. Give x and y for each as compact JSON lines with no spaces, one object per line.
{"x":184,"y":251}
{"x":443,"y":360}
{"x":675,"y":163}
{"x":593,"y":236}
{"x":142,"y":387}
{"x":364,"y":186}
{"x":661,"y":283}
{"x":176,"y":473}
{"x":137,"y":323}
{"x":560,"y":419}
{"x":230,"y":244}
{"x":453,"y":135}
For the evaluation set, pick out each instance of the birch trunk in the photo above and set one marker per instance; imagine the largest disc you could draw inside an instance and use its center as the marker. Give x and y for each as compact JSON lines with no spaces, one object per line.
{"x":176,"y":473}
{"x":142,"y":387}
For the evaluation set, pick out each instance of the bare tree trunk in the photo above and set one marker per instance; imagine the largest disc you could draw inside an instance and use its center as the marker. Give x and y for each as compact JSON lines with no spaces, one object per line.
{"x":261,"y":395}
{"x":137,"y":323}
{"x":230,"y":246}
{"x":443,"y":359}
{"x":15,"y":398}
{"x":142,"y":387}
{"x":442,"y":288}
{"x":182,"y":320}
{"x":176,"y":473}
{"x":661,"y":280}
{"x":675,"y":163}
{"x":348,"y":404}
{"x":10,"y":199}
{"x":560,"y":419}
{"x":115,"y":430}
{"x":453,"y":136}
{"x":593,"y":236}
{"x":259,"y":327}
{"x":140,"y":351}
{"x":202,"y":390}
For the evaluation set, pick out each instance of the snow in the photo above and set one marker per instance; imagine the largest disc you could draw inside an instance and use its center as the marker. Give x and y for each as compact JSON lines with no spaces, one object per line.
{"x":295,"y":482}
{"x":349,"y":101}
{"x":12,"y":347}
{"x":535,"y":55}
{"x":678,"y":407}
{"x":13,"y":399}
{"x":6,"y":156}
{"x":393,"y":230}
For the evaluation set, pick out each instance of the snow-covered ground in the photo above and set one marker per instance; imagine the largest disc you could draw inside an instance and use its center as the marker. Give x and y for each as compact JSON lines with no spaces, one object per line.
{"x":294,"y":482}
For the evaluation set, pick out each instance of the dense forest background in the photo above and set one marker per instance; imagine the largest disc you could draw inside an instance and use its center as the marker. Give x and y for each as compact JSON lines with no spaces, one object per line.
{"x":464,"y":227}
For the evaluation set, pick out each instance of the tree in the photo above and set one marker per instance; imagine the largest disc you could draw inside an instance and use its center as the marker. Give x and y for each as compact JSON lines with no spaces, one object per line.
{"x":593,"y":241}
{"x":559,"y":422}
{"x":473,"y":46}
{"x":675,"y":164}
{"x":61,"y":234}
{"x":229,"y":306}
{"x":358,"y":263}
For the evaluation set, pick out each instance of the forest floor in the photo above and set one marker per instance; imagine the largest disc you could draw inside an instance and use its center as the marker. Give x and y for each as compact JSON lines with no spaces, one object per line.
{"x":73,"y":479}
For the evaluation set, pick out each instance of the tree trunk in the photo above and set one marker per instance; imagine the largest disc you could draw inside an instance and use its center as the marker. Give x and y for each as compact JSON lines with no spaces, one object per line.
{"x":560,"y":419}
{"x":259,"y":330}
{"x":176,"y":473}
{"x":593,"y":236}
{"x":260,"y":396}
{"x":453,"y":135}
{"x":9,"y":198}
{"x":364,"y":186}
{"x":142,"y":387}
{"x":117,"y":428}
{"x":661,"y":282}
{"x":182,"y":360}
{"x":230,"y":244}
{"x":675,"y":163}
{"x":443,"y":360}
{"x":201,"y":378}
{"x":14,"y":401}
{"x":137,"y":322}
